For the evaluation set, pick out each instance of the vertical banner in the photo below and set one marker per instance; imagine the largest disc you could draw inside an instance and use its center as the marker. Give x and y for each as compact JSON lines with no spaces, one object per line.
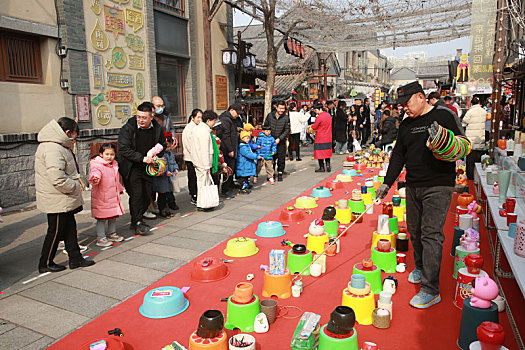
{"x":482,"y":32}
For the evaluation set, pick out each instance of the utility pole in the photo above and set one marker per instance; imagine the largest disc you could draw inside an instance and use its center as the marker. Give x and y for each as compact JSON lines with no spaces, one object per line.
{"x":208,"y":72}
{"x":498,"y":61}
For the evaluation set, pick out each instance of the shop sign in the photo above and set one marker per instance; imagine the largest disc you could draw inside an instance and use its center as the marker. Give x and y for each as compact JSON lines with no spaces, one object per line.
{"x":98,"y":71}
{"x":221,"y":91}
{"x":135,"y":42}
{"x":134,"y":19}
{"x":140,"y":86}
{"x":118,"y":57}
{"x":82,"y":102}
{"x":137,"y":4}
{"x":114,"y":20}
{"x":103,"y":115}
{"x":99,"y":39}
{"x":122,"y":112}
{"x":136,"y":62}
{"x":119,"y":96}
{"x":120,"y":79}
{"x":482,"y":29}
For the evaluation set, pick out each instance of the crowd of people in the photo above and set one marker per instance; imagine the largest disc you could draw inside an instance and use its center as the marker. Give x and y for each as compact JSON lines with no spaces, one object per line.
{"x":225,"y":151}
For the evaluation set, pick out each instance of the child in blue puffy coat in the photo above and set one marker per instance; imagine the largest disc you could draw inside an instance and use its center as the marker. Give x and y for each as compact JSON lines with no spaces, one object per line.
{"x":267,"y":149}
{"x":246,"y":160}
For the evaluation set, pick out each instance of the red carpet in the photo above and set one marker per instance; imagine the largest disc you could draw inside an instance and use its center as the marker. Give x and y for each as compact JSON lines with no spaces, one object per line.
{"x":434,"y":328}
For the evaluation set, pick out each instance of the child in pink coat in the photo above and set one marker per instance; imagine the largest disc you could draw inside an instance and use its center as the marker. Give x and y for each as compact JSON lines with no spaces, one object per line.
{"x":105,"y":195}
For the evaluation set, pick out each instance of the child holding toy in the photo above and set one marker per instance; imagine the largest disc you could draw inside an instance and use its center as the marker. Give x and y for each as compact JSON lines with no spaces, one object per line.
{"x":267,"y":149}
{"x":162,"y":184}
{"x":106,"y":206}
{"x":246,"y":160}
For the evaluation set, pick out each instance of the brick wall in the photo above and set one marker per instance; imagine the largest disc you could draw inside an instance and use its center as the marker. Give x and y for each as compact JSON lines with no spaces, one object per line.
{"x":17,"y":160}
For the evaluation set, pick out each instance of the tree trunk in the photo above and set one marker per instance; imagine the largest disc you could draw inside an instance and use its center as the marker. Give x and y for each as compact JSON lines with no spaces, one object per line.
{"x":271,"y":57}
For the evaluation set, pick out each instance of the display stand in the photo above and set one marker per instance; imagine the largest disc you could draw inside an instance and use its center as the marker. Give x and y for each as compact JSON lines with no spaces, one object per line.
{"x":372,"y":276}
{"x":363,"y":306}
{"x":242,"y":316}
{"x":217,"y":343}
{"x":330,"y":341}
{"x":459,"y":258}
{"x":279,"y":286}
{"x":297,"y":262}
{"x":316,"y":243}
{"x":386,"y":261}
{"x":471,"y":318}
{"x":376,"y":236}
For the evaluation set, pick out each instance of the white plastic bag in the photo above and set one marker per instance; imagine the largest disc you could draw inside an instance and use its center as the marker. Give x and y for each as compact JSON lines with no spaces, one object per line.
{"x":208,"y":195}
{"x":175,"y":183}
{"x":357,"y":146}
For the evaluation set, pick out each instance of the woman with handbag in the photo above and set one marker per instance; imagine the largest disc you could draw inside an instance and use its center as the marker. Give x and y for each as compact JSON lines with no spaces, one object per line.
{"x":205,"y":157}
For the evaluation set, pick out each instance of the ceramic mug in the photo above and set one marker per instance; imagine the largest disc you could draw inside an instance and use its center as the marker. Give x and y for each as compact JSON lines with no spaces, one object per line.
{"x":383,"y":245}
{"x":269,"y":308}
{"x":511,"y":218}
{"x":342,"y":203}
{"x":358,"y":281}
{"x":509,"y":205}
{"x":401,"y":258}
{"x":315,"y":270}
{"x":512,"y":230}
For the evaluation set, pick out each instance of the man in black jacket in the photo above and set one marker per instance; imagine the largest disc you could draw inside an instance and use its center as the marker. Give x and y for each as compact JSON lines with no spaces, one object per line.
{"x":279,"y":123}
{"x":429,"y":183}
{"x":229,"y":143}
{"x":135,"y":139}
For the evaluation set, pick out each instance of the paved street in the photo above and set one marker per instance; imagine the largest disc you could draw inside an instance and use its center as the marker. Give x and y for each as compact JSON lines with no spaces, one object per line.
{"x":36,"y":310}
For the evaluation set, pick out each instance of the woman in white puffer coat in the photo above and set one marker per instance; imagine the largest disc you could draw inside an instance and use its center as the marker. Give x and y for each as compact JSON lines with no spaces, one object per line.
{"x":475,"y":131}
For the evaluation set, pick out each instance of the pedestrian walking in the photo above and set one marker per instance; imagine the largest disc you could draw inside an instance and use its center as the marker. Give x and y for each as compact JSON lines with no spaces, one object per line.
{"x":58,"y":192}
{"x":323,"y":139}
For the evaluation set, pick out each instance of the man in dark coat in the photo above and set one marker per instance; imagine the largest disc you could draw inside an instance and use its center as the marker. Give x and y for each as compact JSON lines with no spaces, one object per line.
{"x":229,"y":143}
{"x":135,"y":139}
{"x":388,"y":129}
{"x":279,"y":123}
{"x":340,"y":125}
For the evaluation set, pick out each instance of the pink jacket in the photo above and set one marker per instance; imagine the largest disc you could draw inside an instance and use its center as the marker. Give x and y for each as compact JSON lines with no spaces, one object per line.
{"x":105,"y":196}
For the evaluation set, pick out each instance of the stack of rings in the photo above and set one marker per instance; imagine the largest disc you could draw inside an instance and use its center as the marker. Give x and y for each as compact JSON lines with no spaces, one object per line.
{"x":157,"y":168}
{"x":449,"y":147}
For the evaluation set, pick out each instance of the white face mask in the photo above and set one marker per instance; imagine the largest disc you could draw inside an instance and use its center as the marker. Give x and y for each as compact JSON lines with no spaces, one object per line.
{"x":159,"y":110}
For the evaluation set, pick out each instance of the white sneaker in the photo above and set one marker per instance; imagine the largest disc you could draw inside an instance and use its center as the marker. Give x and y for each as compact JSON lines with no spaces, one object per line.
{"x":272,"y":181}
{"x":104,"y":242}
{"x":113,"y":237}
{"x":149,"y":215}
{"x":83,"y":248}
{"x":153,"y":208}
{"x":61,"y":245}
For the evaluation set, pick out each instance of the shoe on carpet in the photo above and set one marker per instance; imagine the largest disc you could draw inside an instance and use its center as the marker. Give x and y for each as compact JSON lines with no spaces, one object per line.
{"x":51,"y":268}
{"x":149,"y":215}
{"x":320,"y":170}
{"x":424,"y":300}
{"x":328,"y":168}
{"x":280,"y":177}
{"x":142,"y":229}
{"x":104,"y":242}
{"x":165,"y":214}
{"x":113,"y":237}
{"x":415,"y":276}
{"x":81,"y":263}
{"x":272,"y":181}
{"x":290,"y":159}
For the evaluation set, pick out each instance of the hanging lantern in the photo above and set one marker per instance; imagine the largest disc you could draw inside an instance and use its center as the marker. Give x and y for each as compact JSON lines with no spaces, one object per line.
{"x":229,"y":56}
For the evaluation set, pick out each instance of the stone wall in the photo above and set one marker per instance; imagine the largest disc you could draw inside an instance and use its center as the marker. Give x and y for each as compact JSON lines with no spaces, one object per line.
{"x":17,"y":163}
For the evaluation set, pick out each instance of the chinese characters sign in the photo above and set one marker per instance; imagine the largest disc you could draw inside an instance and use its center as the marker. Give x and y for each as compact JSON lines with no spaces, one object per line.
{"x":114,"y":20}
{"x":482,"y":29}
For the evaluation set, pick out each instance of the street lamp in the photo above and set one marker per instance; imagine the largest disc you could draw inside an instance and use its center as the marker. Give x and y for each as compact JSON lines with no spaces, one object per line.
{"x":229,"y":56}
{"x":249,"y":60}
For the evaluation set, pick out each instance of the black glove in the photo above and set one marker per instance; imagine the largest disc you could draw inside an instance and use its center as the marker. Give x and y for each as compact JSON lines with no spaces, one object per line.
{"x":382,"y":191}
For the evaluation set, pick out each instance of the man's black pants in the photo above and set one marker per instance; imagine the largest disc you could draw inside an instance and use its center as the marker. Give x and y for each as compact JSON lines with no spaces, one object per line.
{"x":139,"y":188}
{"x":473,"y":157}
{"x":226,"y":185}
{"x":294,"y":142}
{"x":281,"y":157}
{"x":60,"y":226}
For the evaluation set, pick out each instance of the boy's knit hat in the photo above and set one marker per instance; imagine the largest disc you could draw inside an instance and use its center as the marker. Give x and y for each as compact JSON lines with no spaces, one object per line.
{"x":266,"y":127}
{"x":244,"y":134}
{"x":248,"y":127}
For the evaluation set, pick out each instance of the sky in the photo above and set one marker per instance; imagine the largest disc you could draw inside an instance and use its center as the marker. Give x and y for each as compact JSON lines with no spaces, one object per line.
{"x":433,"y":50}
